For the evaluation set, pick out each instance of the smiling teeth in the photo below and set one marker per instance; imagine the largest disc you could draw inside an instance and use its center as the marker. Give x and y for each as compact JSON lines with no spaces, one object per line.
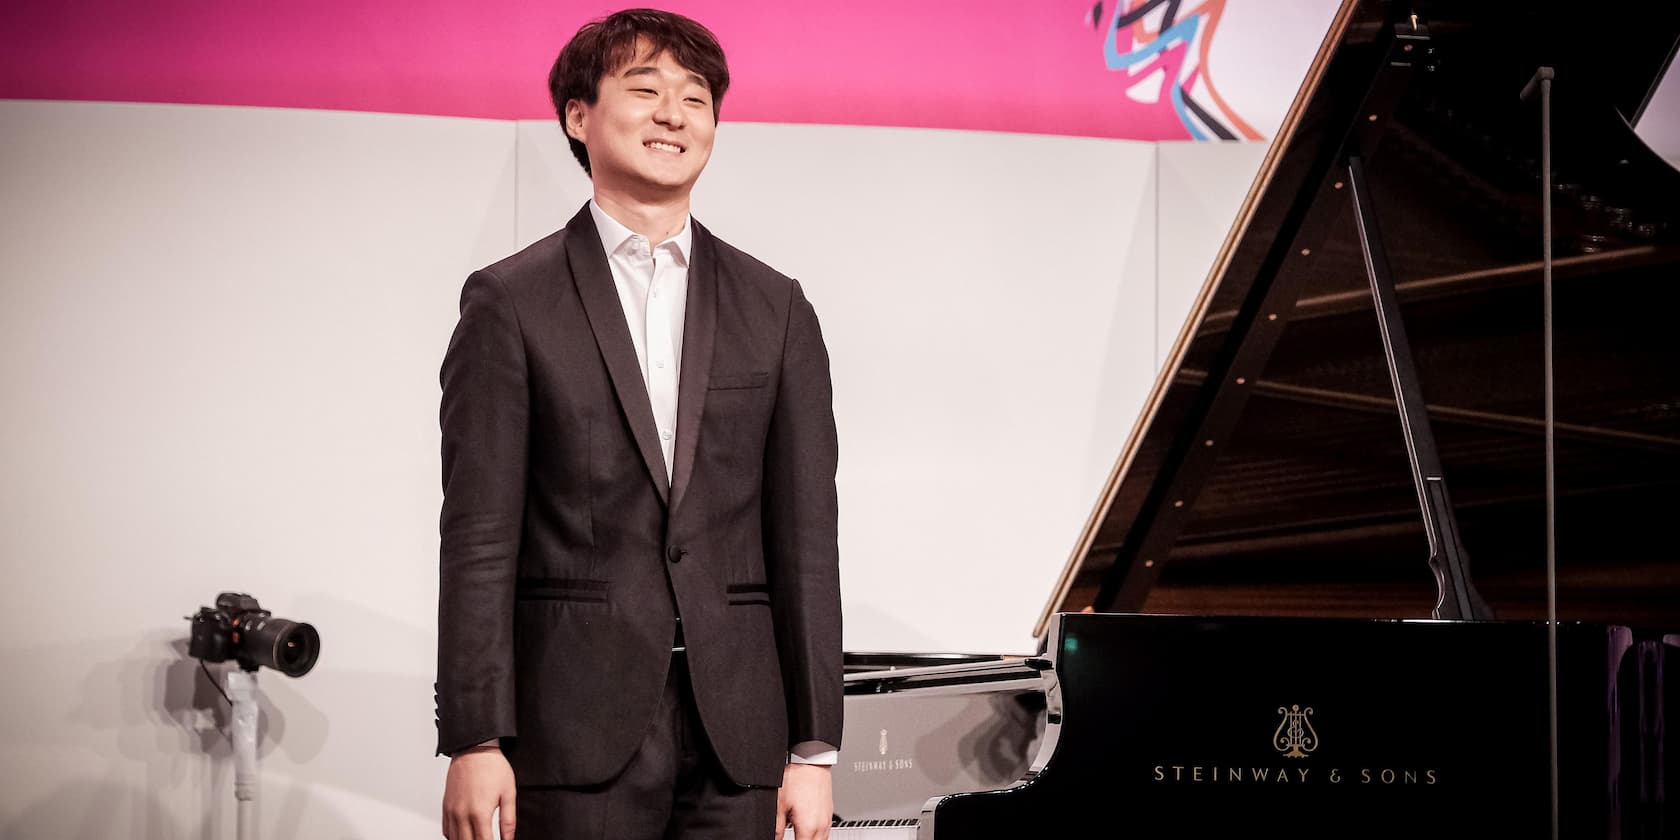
{"x":666,"y":147}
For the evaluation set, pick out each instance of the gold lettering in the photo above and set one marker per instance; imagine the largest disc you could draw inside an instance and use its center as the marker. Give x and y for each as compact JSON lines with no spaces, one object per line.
{"x":1218,"y":774}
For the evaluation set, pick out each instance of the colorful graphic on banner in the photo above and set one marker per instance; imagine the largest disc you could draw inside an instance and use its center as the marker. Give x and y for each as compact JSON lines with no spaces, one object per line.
{"x":1167,"y":55}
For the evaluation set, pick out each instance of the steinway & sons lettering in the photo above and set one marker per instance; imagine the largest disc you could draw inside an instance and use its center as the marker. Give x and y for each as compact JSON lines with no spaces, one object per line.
{"x":1196,"y":774}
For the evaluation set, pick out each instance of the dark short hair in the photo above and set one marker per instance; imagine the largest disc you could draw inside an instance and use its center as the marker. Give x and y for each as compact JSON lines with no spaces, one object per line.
{"x":602,"y":46}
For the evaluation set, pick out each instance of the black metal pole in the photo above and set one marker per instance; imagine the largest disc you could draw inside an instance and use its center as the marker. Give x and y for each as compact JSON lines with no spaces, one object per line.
{"x":1543,"y":81}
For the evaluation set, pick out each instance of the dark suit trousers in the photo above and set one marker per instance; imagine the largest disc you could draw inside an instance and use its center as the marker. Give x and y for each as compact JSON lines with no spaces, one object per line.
{"x":673,"y":789}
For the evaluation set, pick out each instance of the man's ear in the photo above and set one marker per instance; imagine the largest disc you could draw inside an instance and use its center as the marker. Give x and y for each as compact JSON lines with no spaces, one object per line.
{"x":575,"y":122}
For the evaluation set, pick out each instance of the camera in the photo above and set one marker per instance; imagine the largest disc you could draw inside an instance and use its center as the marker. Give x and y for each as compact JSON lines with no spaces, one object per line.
{"x":238,"y":628}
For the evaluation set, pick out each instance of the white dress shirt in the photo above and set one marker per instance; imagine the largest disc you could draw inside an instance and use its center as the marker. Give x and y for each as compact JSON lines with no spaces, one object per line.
{"x":652,"y":282}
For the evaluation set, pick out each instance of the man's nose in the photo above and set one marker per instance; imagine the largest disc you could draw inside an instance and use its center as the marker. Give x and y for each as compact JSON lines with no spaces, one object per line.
{"x":669,"y":113}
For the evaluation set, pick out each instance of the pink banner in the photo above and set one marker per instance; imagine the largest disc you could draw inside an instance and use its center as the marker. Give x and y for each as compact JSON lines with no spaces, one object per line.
{"x":1042,"y":66}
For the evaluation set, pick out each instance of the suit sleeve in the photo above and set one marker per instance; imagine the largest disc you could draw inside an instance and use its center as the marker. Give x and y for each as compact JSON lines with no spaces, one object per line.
{"x":800,"y":527}
{"x":484,"y":418}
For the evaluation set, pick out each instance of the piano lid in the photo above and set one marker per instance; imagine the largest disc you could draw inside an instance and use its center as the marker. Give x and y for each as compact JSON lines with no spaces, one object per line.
{"x":1267,"y":474}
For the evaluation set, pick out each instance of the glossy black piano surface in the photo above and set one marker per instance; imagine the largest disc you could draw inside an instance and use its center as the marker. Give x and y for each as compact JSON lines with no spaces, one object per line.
{"x":1267,"y":483}
{"x":1192,"y":727}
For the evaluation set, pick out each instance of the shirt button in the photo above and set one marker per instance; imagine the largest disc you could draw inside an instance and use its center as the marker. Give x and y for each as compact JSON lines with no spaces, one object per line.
{"x":665,"y":435}
{"x":659,"y":364}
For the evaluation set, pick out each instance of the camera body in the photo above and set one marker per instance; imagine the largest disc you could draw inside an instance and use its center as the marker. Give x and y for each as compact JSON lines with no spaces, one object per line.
{"x":238,"y":628}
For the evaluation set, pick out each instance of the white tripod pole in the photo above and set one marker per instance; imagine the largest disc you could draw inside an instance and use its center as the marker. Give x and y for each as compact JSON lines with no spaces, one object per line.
{"x":242,"y":690}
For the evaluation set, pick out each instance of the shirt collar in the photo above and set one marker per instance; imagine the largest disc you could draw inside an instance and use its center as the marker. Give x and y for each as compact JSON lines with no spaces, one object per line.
{"x":615,"y":235}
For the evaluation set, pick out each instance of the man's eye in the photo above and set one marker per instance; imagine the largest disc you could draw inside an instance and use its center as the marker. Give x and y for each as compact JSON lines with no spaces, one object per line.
{"x":697,"y":100}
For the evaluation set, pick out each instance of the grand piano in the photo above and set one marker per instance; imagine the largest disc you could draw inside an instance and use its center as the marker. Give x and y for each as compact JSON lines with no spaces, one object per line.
{"x":1391,"y":551}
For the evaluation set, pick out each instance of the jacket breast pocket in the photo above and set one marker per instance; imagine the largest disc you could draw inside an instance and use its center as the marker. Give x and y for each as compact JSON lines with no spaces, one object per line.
{"x":738,"y":381}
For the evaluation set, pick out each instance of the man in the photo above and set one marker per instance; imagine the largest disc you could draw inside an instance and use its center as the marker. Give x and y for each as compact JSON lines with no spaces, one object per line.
{"x":639,"y":610}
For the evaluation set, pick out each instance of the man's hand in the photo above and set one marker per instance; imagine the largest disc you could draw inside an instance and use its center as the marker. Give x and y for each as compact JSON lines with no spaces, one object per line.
{"x":805,"y":801}
{"x":480,"y":780}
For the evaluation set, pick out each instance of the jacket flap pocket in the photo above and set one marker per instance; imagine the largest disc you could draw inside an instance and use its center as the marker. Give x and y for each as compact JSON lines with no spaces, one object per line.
{"x":747,"y":593}
{"x":561,"y":589}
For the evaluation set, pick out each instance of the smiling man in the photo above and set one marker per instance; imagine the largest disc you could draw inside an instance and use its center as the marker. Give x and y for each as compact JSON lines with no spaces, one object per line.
{"x":639,"y":605}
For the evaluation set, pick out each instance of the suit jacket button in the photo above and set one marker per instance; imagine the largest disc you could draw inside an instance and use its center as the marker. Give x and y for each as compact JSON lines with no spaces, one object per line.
{"x":677,"y":554}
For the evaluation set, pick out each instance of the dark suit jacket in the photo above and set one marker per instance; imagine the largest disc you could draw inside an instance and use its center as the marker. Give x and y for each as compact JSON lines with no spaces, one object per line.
{"x":565,"y":556}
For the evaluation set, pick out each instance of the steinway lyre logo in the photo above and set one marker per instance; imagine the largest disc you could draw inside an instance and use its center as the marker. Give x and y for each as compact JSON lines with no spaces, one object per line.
{"x":883,"y":764}
{"x":1295,"y":736}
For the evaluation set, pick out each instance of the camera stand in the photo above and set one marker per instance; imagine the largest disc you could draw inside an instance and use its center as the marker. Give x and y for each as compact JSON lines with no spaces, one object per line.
{"x":242,"y":691}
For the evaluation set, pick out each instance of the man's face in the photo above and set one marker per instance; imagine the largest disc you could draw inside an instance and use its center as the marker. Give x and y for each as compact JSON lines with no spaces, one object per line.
{"x":650,"y":130}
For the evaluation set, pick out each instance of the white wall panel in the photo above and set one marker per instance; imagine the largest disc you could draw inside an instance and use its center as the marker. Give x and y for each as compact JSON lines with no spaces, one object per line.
{"x":221,"y":330}
{"x":988,"y":304}
{"x":1659,"y":125}
{"x":552,"y":185}
{"x":1201,"y":188}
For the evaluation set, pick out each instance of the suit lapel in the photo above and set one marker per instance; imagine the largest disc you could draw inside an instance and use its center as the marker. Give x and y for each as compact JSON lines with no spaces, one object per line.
{"x":699,"y":332}
{"x":612,"y":334}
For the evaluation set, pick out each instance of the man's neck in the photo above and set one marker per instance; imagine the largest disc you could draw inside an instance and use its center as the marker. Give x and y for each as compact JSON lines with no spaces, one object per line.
{"x":656,"y":221}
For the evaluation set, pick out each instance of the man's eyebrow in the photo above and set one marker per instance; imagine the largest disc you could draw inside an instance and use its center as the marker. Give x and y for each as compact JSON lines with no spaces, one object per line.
{"x":646,"y":70}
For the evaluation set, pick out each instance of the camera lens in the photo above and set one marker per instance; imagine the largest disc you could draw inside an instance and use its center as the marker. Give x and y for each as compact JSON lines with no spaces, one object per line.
{"x":289,"y":647}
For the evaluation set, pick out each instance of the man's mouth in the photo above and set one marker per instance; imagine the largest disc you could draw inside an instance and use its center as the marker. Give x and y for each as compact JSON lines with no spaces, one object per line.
{"x":662,"y":146}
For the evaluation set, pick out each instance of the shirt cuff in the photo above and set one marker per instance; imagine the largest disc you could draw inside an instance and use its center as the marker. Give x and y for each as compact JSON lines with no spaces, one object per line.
{"x":814,"y":752}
